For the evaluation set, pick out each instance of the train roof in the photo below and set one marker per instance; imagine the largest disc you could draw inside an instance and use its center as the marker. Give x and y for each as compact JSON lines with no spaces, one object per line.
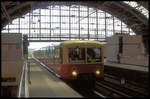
{"x":80,"y":41}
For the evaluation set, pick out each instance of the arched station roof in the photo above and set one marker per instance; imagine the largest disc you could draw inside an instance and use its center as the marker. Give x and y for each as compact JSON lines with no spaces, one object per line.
{"x":128,"y":14}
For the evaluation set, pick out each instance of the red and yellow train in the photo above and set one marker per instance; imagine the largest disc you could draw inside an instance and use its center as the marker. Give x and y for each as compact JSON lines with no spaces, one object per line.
{"x":74,"y":59}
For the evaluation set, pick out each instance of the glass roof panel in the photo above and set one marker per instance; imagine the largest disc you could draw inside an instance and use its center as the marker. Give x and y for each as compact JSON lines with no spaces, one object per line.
{"x":140,"y":8}
{"x":58,"y":23}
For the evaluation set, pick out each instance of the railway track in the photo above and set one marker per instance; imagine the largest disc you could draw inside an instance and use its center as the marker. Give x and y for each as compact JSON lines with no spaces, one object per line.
{"x":111,"y":87}
{"x":114,"y":87}
{"x":81,"y":89}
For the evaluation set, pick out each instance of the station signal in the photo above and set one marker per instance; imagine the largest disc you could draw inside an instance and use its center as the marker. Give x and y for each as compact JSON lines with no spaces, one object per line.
{"x":25,"y":44}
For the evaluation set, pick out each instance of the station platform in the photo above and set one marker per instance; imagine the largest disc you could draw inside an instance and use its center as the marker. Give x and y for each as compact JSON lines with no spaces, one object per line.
{"x":126,"y":66}
{"x":45,"y":84}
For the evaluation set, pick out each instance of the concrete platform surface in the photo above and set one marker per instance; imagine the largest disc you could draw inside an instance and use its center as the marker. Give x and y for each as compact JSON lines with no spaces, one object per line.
{"x":125,"y":66}
{"x":45,"y":84}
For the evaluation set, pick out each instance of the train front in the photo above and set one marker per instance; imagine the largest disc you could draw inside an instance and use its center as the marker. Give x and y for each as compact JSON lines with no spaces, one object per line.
{"x":82,"y":59}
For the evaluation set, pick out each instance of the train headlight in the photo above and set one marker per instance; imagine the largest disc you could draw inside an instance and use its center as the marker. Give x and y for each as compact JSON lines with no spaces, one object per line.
{"x":74,"y":73}
{"x":98,"y":72}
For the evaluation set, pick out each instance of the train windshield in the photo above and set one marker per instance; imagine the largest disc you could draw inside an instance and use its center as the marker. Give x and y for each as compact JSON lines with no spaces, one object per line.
{"x":93,"y":55}
{"x":76,"y":55}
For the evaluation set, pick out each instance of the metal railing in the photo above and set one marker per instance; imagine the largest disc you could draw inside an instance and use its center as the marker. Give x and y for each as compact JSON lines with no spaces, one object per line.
{"x":23,"y":86}
{"x":21,"y":81}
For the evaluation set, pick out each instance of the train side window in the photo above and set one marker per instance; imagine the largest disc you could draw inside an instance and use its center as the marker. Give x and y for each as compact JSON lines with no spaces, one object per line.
{"x":61,"y":58}
{"x":57,"y":54}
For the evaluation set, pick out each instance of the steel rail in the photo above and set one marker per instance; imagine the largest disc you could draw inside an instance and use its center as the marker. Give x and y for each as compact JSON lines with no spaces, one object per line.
{"x":113,"y":90}
{"x":132,"y":87}
{"x":113,"y":85}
